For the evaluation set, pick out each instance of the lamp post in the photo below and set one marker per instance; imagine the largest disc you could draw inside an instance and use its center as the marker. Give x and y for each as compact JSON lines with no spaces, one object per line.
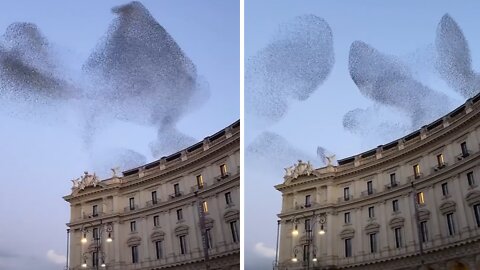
{"x":309,"y":246}
{"x":97,"y":233}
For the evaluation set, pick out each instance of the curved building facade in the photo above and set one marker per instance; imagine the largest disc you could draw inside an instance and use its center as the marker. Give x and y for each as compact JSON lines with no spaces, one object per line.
{"x":180,"y":212}
{"x":413,"y":203}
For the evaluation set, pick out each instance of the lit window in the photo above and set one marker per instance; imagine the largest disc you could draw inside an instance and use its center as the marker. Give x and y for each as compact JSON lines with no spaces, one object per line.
{"x":158,"y":249}
{"x":416,"y":170}
{"x":348,"y":247}
{"x":133,"y":226}
{"x":307,"y":201}
{"x":134,"y":254}
{"x":205,"y":206}
{"x":445,"y":189}
{"x":179,"y":214}
{"x":228,"y":198}
{"x":450,"y":224}
{"x":440,"y":161}
{"x":420,"y":198}
{"x":373,"y":243}
{"x":371,"y":212}
{"x":156,"y":221}
{"x":347,"y":217}
{"x":424,"y":231}
{"x":395,"y":206}
{"x":199,"y":181}
{"x":398,"y":237}
{"x":223,"y":170}
{"x":183,"y":244}
{"x":471,"y":179}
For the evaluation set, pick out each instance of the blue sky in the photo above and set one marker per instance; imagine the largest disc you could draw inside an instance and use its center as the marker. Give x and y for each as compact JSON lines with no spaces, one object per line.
{"x":40,"y":156}
{"x":404,"y":29}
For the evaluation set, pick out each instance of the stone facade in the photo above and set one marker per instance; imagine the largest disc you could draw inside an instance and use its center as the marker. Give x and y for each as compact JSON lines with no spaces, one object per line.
{"x":154,"y":214}
{"x":410,"y":204}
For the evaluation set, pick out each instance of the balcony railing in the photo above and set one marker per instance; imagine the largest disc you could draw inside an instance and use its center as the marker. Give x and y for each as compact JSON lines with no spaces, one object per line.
{"x":345,"y":198}
{"x":92,"y":215}
{"x":175,"y":195}
{"x":197,"y":188}
{"x":413,"y":177}
{"x":439,"y":167}
{"x":220,"y":177}
{"x":304,"y":205}
{"x":130,"y":208}
{"x":368,"y":192}
{"x":392,"y":185}
{"x":463,"y":155}
{"x":152,"y":202}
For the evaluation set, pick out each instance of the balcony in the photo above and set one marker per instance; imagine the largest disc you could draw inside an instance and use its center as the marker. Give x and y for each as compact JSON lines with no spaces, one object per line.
{"x":368,"y":192}
{"x":463,"y":155}
{"x":92,"y":215}
{"x":223,"y":176}
{"x":413,"y":177}
{"x":439,"y":167}
{"x":175,"y":195}
{"x":152,"y":203}
{"x":345,"y":198}
{"x":392,"y":185}
{"x":197,"y":188}
{"x":131,"y":208}
{"x":304,"y":206}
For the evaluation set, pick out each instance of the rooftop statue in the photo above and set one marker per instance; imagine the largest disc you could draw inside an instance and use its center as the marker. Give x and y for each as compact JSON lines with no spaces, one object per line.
{"x":301,"y":168}
{"x":87,"y":180}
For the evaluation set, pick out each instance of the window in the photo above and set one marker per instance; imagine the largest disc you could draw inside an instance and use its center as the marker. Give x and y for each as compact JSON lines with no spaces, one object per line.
{"x":371,"y":212}
{"x":395,"y":206}
{"x":183,"y":244}
{"x":445,"y":189}
{"x":156,"y":221}
{"x":95,"y":210}
{"x":234,"y":230}
{"x":306,"y":253}
{"x":134,"y":254}
{"x":133,"y":226}
{"x":228,"y":198}
{"x":476,"y":209}
{"x":398,"y":237}
{"x":158,"y":249}
{"x":154,"y":197}
{"x":369,"y":187}
{"x":420,"y":198}
{"x":179,"y":214}
{"x":346,"y":193}
{"x":463,"y":145}
{"x":307,"y":225}
{"x":416,"y":170}
{"x":347,"y":217}
{"x":348,"y":247}
{"x":373,"y":243}
{"x":205,"y":207}
{"x":440,"y":161}
{"x":176,"y":189}
{"x":471,"y":180}
{"x":94,"y":259}
{"x":131,"y":202}
{"x":223,"y":170}
{"x":393,"y":180}
{"x":424,"y":231}
{"x":208,"y":238}
{"x":450,"y":224}
{"x":95,"y":234}
{"x":199,"y":181}
{"x":307,"y":201}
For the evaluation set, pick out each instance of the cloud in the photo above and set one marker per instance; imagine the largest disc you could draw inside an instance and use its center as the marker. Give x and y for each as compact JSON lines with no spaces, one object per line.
{"x":265,"y":251}
{"x":56,"y":258}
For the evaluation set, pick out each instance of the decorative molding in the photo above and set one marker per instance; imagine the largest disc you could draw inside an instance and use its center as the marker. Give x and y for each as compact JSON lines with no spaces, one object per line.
{"x":448,"y":207}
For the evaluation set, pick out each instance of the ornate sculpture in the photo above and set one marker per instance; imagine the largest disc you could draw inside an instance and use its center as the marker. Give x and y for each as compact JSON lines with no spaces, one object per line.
{"x":87,"y":180}
{"x":330,"y":159}
{"x":301,"y":168}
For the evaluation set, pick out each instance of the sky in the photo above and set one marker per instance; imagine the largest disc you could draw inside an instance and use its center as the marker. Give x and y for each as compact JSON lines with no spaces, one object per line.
{"x":405,"y":30}
{"x":42,"y":147}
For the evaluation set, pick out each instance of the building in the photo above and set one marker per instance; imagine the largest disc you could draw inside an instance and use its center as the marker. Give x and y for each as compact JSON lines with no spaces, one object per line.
{"x":163,"y":215}
{"x":413,"y":203}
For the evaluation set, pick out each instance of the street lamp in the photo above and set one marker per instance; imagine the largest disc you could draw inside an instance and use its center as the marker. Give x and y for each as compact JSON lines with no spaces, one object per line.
{"x":97,"y":237}
{"x":309,"y":246}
